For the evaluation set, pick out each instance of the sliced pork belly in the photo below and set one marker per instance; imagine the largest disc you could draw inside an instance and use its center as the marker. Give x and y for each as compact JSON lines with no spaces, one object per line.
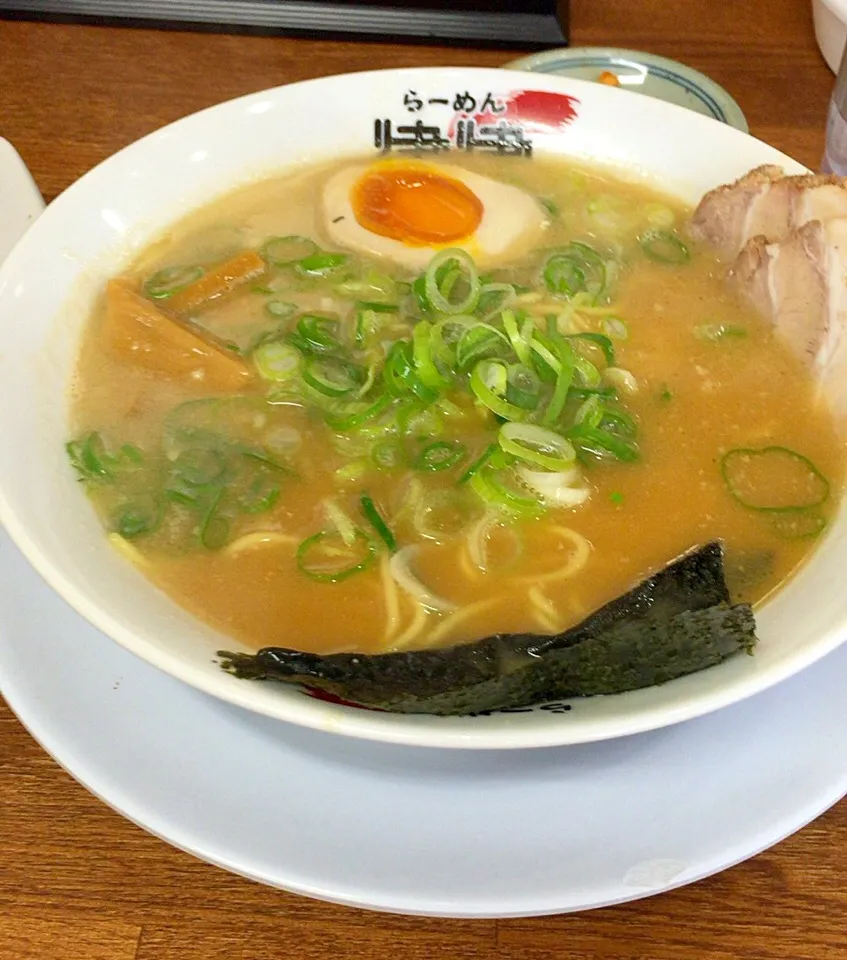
{"x":767,"y":203}
{"x":800,"y":284}
{"x":721,"y":218}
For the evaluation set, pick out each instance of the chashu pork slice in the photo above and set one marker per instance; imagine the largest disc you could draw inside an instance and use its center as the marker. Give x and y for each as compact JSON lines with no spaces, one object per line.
{"x":800,"y":285}
{"x":721,"y":217}
{"x":766,"y":203}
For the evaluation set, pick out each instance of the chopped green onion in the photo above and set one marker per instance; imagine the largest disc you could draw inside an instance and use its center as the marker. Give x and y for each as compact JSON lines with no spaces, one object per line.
{"x":664,"y":246}
{"x":280,"y":308}
{"x":89,"y":458}
{"x":261,"y":495}
{"x":342,"y":523}
{"x":321,"y":264}
{"x":615,"y":328}
{"x":368,"y":324}
{"x":354,"y":414}
{"x":200,"y":466}
{"x":276,"y":360}
{"x":524,"y":386}
{"x":214,"y":529}
{"x":400,"y":375}
{"x":460,"y":277}
{"x":564,"y":276}
{"x":285,"y":251}
{"x":425,"y":365}
{"x":352,"y":472}
{"x":480,"y":340}
{"x":564,"y":380}
{"x":165,"y":283}
{"x":388,"y":454}
{"x":616,"y":497}
{"x":493,"y":488}
{"x":589,"y":375}
{"x":373,"y":516}
{"x":479,"y":463}
{"x":494,"y":298}
{"x":377,"y":307}
{"x":138,"y":518}
{"x":602,"y":443}
{"x":715,"y":332}
{"x":440,"y":455}
{"x":413,"y":420}
{"x":319,"y":332}
{"x":590,"y":412}
{"x":325,"y":557}
{"x":332,"y":377}
{"x":538,"y":445}
{"x":372,"y":287}
{"x":766,"y":479}
{"x":575,"y":269}
{"x":489,"y":382}
{"x":601,"y":340}
{"x":550,"y":206}
{"x":520,"y":339}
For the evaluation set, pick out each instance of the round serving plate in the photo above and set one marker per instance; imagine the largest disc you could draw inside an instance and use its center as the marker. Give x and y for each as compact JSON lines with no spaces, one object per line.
{"x":416,"y":830}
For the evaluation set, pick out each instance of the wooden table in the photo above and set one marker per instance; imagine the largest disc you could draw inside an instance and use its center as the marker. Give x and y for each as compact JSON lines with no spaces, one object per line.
{"x":78,"y":882}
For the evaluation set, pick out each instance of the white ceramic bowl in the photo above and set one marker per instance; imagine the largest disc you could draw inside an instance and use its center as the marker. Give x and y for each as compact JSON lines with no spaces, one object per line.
{"x":51,"y":278}
{"x":830,"y":19}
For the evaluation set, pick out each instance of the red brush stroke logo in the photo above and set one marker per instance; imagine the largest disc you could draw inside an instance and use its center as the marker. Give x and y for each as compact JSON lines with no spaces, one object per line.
{"x":537,"y":111}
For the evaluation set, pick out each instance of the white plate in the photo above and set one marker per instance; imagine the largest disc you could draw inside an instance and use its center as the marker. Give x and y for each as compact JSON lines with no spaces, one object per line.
{"x":20,"y":201}
{"x":416,"y":830}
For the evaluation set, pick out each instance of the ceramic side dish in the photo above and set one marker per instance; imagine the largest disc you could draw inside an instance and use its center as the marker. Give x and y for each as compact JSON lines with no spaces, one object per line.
{"x":640,"y":72}
{"x":100,"y":224}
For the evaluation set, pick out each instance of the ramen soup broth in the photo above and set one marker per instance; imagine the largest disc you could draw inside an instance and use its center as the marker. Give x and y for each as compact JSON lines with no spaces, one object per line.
{"x":277,"y":509}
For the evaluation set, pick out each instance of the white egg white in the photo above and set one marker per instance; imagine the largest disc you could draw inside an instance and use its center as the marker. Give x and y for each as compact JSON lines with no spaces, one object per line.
{"x":512,"y":220}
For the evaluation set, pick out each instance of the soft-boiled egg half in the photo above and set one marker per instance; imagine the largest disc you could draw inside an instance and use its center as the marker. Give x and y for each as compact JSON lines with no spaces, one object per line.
{"x":407,"y":210}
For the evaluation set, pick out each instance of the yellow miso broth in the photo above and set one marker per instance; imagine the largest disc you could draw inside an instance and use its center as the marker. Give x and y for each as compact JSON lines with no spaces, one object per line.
{"x":267,"y":435}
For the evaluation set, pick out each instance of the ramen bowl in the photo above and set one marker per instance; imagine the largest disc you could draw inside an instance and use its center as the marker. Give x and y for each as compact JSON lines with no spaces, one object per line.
{"x":99,"y":225}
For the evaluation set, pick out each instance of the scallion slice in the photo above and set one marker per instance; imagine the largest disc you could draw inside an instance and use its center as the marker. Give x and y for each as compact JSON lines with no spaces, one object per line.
{"x":388,"y":454}
{"x":489,"y":382}
{"x":440,"y":455}
{"x":332,"y":376}
{"x":325,"y":557}
{"x":496,"y":490}
{"x":494,"y":298}
{"x":664,"y":246}
{"x":425,"y":364}
{"x":139,"y":517}
{"x":285,"y":251}
{"x":319,"y":332}
{"x":479,"y":463}
{"x":773,"y":479}
{"x":376,"y":521}
{"x":280,"y":308}
{"x":165,"y":283}
{"x":276,"y":361}
{"x":480,"y":340}
{"x":353,"y":415}
{"x":602,"y":443}
{"x":321,"y":264}
{"x":538,"y":445}
{"x":451,"y":283}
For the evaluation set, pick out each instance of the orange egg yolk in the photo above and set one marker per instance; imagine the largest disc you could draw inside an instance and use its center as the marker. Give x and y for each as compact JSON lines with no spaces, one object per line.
{"x":416,"y":207}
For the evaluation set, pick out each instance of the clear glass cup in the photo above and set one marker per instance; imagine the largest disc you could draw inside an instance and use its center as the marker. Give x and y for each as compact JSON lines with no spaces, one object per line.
{"x":835,"y":152}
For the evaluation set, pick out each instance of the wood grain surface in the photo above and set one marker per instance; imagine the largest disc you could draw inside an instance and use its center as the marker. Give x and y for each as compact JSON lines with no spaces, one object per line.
{"x":78,"y":882}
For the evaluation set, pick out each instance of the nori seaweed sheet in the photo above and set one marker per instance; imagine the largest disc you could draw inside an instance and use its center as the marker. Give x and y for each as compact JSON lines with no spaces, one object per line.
{"x":674,"y":623}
